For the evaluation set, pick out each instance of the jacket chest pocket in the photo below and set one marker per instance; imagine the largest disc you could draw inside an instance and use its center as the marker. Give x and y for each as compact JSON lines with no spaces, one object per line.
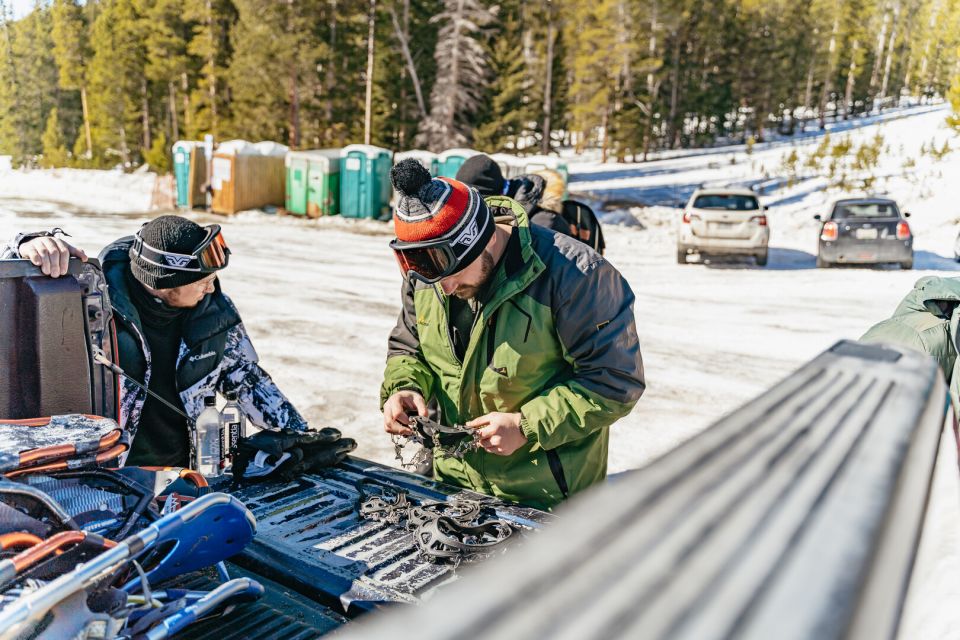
{"x":519,"y":359}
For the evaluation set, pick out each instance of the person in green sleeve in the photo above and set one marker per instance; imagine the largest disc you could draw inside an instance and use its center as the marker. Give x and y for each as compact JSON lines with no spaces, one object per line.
{"x":525,"y":334}
{"x":927,"y":320}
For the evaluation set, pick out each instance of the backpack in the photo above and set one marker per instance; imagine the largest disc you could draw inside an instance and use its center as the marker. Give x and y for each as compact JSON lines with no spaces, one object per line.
{"x":584,"y":225}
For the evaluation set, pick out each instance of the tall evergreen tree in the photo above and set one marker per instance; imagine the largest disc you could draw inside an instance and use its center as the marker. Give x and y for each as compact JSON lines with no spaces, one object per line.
{"x":462,"y":74}
{"x":72,"y":53}
{"x":117,"y":83}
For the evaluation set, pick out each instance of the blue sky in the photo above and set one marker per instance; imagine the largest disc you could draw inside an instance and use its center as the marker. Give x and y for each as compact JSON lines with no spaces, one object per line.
{"x":21,"y":7}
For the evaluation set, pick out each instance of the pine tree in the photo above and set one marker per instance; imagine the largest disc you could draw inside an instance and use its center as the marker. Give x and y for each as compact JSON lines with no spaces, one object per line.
{"x":28,"y":82}
{"x":72,"y":53}
{"x":117,"y":83}
{"x":508,"y":112}
{"x":168,"y":65}
{"x":209,"y":43}
{"x":462,"y":74}
{"x":54,"y":148}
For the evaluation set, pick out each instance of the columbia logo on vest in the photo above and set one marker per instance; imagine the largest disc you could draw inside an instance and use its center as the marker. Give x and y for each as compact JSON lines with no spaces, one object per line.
{"x":201,"y":356}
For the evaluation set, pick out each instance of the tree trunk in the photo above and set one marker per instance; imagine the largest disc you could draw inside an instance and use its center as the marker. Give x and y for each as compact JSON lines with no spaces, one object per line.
{"x":831,"y":69}
{"x":174,"y":128}
{"x":411,"y":68}
{"x":548,"y":84}
{"x":603,"y":124}
{"x":889,"y":61}
{"x":653,"y":86}
{"x":86,"y":121}
{"x":808,"y":93}
{"x":878,"y":56}
{"x":211,"y":72}
{"x":187,"y":121}
{"x":329,"y":76}
{"x":293,"y":126}
{"x":368,"y":103}
{"x":851,"y":80}
{"x":145,"y":111}
{"x":674,"y":91}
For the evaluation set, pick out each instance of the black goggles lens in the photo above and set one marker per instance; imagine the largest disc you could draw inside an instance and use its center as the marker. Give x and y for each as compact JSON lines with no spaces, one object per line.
{"x":429,"y":264}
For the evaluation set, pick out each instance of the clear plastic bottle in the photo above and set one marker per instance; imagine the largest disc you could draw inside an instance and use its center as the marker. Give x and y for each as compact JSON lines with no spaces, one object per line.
{"x":233,"y":424}
{"x":208,"y":439}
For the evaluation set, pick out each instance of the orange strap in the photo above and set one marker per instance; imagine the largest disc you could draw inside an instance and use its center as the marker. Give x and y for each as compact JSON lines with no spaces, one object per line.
{"x":43,"y":421}
{"x":18,"y":539}
{"x":103,"y":456}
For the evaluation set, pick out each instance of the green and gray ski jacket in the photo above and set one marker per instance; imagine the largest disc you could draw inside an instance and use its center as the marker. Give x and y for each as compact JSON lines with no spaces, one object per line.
{"x":926,"y":320}
{"x":556,"y":341}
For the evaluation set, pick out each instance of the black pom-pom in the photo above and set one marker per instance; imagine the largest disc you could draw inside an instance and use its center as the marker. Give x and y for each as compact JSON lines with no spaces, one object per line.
{"x":409,"y":176}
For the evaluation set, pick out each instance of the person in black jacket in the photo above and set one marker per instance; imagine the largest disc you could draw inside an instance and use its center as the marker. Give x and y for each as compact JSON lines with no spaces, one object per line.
{"x":542,"y":199}
{"x":177,"y":333}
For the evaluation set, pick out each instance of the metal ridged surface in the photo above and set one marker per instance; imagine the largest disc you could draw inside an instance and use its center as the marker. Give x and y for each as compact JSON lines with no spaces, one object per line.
{"x":278,"y":614}
{"x":795,"y":517}
{"x":309,"y":532}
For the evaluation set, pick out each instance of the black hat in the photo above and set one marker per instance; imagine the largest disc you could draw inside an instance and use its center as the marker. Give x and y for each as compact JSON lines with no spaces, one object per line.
{"x":481,"y":172}
{"x":172,"y":234}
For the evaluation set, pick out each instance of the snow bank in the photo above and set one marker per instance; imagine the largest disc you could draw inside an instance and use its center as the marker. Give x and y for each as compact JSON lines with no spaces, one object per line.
{"x":80,"y":189}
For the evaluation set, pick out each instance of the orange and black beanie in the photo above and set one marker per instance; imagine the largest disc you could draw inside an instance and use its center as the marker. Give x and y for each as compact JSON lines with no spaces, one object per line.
{"x":440,"y":209}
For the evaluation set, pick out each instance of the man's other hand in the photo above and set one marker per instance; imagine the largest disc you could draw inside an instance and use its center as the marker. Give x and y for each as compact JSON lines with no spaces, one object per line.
{"x":51,"y":254}
{"x":499,"y":433}
{"x":395,"y":418}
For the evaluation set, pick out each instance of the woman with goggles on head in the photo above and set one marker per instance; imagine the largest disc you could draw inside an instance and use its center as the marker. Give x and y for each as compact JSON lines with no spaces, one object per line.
{"x":177,"y":333}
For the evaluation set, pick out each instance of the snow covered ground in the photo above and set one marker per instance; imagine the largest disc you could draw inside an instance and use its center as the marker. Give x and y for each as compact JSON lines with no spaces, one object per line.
{"x":320,"y":296}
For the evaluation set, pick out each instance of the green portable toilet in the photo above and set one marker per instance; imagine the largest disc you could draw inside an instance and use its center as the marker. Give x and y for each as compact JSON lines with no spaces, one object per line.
{"x":182,"y":149}
{"x":450,"y":160}
{"x":313,"y":182}
{"x":426,"y":158}
{"x":365,"y":188}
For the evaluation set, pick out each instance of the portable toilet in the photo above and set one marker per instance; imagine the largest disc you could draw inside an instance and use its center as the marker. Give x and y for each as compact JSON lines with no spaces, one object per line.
{"x":247,"y":176}
{"x":448,"y":162}
{"x":313,"y":182}
{"x":182,"y":149}
{"x":510,"y":166}
{"x":365,"y":187}
{"x":426,"y":158}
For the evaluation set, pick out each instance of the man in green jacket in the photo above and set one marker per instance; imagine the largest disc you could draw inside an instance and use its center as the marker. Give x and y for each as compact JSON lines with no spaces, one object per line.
{"x":522,"y":333}
{"x":927,"y":320}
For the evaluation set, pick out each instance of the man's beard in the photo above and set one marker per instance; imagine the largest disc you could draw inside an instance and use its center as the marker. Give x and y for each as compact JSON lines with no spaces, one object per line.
{"x":487,"y":265}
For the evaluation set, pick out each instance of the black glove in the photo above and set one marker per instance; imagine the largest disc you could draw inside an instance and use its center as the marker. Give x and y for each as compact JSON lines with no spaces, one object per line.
{"x":285,"y":454}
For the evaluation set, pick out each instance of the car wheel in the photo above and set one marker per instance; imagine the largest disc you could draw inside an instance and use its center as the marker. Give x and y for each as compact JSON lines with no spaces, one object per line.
{"x":762,"y":259}
{"x":907,"y":265}
{"x":681,"y":256}
{"x":822,"y":264}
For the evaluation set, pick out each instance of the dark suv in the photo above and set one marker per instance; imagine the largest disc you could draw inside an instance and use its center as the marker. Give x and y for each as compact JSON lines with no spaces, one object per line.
{"x":865,"y":231}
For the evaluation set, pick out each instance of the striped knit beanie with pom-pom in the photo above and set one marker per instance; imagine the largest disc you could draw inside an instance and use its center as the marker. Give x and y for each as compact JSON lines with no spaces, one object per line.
{"x":440,"y":210}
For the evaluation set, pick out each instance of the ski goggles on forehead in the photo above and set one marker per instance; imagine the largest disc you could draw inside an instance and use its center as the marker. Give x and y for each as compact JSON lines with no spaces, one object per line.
{"x":212,"y":254}
{"x":428,"y":262}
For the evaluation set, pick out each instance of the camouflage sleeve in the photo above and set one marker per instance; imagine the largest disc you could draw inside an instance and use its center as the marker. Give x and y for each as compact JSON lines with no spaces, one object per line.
{"x":11,"y":250}
{"x":258,"y":395}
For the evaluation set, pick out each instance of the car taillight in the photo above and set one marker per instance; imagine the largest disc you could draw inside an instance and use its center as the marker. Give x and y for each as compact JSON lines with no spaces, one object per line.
{"x":760,"y":220}
{"x":686,"y":217}
{"x":830,"y":231}
{"x":903,"y":231}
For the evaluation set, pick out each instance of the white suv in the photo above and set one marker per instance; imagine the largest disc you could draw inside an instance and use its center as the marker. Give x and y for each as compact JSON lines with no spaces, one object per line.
{"x":723,"y":222}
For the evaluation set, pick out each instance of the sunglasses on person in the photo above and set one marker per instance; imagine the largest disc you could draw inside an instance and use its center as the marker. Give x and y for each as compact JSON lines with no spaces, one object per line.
{"x":428,"y":262}
{"x":210,"y":255}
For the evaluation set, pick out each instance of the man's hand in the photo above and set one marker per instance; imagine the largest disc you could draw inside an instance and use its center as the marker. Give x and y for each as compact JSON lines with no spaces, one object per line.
{"x":51,"y":254}
{"x":395,"y":418}
{"x":499,"y":433}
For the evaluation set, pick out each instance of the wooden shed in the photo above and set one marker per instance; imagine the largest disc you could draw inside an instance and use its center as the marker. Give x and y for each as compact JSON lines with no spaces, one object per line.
{"x":248,"y":176}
